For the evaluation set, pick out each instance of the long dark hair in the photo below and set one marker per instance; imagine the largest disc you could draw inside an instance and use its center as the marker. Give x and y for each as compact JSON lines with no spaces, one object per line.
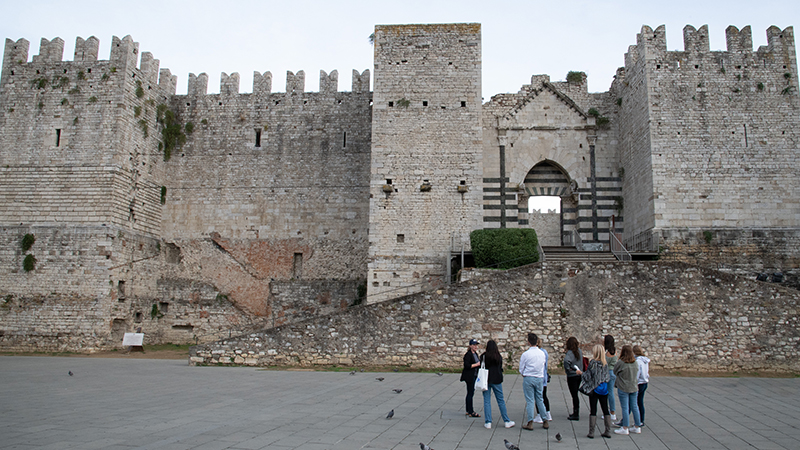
{"x":492,"y":354}
{"x":572,"y":345}
{"x":608,"y":343}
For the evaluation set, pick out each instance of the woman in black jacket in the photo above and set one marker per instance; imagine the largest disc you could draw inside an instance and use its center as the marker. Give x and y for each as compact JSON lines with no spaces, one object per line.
{"x":469,"y":373}
{"x":494,"y":364}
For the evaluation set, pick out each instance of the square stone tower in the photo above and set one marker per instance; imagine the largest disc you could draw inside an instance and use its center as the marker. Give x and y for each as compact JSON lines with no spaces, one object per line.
{"x":426,"y":170}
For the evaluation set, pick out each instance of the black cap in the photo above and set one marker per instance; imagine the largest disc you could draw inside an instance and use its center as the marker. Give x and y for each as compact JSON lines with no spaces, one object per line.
{"x":473,"y":342}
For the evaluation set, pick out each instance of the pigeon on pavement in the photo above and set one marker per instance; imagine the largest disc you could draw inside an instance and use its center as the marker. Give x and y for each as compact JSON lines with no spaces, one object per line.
{"x":70,"y":373}
{"x":395,"y":370}
{"x":558,"y":437}
{"x":397,"y":391}
{"x":439,"y":373}
{"x":424,"y":447}
{"x":510,"y":446}
{"x":380,"y":378}
{"x":353,"y":372}
{"x":390,"y":415}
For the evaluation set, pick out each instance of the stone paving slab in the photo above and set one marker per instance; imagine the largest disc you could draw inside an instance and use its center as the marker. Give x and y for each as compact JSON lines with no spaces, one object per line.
{"x":166,"y":404}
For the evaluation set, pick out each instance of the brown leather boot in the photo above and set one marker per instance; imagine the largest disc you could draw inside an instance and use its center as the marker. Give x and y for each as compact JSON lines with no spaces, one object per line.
{"x":528,"y":426}
{"x":545,"y":424}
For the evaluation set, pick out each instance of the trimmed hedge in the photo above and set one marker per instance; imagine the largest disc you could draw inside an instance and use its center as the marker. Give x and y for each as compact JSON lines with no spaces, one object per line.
{"x":504,"y":248}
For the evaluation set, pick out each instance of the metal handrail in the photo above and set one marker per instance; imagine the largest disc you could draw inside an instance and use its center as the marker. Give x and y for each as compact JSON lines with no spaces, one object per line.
{"x":618,"y":249}
{"x":647,"y":241}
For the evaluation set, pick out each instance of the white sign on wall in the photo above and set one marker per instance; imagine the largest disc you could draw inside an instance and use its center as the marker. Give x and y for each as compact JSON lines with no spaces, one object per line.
{"x":132,"y":339}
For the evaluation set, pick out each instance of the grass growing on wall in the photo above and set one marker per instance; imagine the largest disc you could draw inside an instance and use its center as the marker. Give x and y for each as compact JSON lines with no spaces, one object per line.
{"x":172,"y":135}
{"x":504,"y":248}
{"x":27,"y":242}
{"x":29,"y":263}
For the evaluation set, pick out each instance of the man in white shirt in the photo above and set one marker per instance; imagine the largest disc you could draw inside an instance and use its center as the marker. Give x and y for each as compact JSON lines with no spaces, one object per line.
{"x":531,"y":367}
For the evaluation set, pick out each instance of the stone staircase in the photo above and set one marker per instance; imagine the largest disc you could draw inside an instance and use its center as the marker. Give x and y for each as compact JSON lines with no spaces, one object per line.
{"x":571,"y":254}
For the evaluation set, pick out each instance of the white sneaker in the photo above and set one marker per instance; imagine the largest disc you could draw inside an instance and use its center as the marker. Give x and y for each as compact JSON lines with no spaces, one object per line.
{"x":487,"y":425}
{"x":614,"y":417}
{"x":549,"y":417}
{"x":621,"y":431}
{"x":537,"y":419}
{"x":636,"y":430}
{"x":510,"y":424}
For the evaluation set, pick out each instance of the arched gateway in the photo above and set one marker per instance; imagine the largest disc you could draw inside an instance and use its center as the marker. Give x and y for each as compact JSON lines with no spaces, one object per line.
{"x":554,"y":227}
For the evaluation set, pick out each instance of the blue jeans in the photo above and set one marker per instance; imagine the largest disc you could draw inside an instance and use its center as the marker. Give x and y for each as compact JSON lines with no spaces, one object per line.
{"x":532,"y":388}
{"x":612,"y":404}
{"x":627,"y":403}
{"x":501,"y":402}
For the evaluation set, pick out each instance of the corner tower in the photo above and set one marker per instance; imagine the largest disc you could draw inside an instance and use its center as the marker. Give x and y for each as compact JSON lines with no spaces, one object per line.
{"x":426,"y":171}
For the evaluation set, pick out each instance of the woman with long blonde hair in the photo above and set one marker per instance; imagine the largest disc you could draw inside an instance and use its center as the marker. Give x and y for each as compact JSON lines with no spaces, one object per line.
{"x":597,"y":375}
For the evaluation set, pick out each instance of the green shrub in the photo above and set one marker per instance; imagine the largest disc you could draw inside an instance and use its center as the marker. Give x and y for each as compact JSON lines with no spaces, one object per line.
{"x":593,"y":112}
{"x":575,"y":77}
{"x":504,"y":248}
{"x":27,"y":242}
{"x":163,"y":195}
{"x":29,"y":263}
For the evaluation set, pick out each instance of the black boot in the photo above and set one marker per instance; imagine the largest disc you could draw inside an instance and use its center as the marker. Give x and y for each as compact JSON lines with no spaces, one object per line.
{"x":574,"y":415}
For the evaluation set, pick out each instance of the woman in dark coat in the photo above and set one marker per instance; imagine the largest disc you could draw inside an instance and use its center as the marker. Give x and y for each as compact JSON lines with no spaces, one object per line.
{"x":573,"y":366}
{"x":469,"y":373}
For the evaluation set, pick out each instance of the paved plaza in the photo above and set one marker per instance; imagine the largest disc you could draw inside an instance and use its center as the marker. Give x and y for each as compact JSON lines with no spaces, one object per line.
{"x":166,"y":404}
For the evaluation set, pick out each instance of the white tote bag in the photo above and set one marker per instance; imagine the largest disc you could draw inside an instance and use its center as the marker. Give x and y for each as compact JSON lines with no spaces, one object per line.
{"x":482,"y":382}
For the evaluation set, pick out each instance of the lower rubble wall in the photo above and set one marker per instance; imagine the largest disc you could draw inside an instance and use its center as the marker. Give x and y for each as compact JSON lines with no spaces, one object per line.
{"x":685,"y":317}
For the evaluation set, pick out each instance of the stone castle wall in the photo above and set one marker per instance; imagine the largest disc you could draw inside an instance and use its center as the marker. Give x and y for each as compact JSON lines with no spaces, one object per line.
{"x":279,"y":204}
{"x":722,"y":127}
{"x":426,"y":131}
{"x":78,"y":135}
{"x":685,"y":317}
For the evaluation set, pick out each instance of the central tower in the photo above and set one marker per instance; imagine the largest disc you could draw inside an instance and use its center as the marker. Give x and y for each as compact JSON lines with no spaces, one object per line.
{"x":426,"y":171}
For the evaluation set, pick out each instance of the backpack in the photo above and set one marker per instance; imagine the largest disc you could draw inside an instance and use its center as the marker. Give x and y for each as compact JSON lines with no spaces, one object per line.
{"x":585,"y":364}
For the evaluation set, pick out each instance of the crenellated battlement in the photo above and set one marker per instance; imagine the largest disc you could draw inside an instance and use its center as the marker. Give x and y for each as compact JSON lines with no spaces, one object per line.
{"x":50,"y":51}
{"x":86,"y":50}
{"x":262,"y":84}
{"x":124,"y":55}
{"x":652,"y":44}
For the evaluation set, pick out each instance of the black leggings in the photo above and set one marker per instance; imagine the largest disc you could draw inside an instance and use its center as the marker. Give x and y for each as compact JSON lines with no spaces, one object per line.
{"x":545,"y":400}
{"x":640,"y":400}
{"x":593,"y":398}
{"x":574,"y":383}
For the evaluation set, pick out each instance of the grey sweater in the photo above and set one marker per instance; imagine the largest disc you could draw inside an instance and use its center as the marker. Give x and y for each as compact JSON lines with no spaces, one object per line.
{"x":627,"y":374}
{"x":571,"y":360}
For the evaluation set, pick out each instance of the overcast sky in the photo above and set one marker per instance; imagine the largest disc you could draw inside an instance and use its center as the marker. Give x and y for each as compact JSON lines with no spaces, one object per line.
{"x":520,"y":38}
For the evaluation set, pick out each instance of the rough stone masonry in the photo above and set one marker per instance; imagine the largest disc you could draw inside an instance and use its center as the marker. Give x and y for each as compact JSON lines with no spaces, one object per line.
{"x":200,"y":216}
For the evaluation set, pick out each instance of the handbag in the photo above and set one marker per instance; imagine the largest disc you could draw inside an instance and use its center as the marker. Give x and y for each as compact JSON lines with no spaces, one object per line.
{"x":586,"y":383}
{"x":482,"y":382}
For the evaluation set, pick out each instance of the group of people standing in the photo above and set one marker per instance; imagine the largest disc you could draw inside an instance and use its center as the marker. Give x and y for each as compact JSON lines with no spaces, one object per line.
{"x":596,"y":377}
